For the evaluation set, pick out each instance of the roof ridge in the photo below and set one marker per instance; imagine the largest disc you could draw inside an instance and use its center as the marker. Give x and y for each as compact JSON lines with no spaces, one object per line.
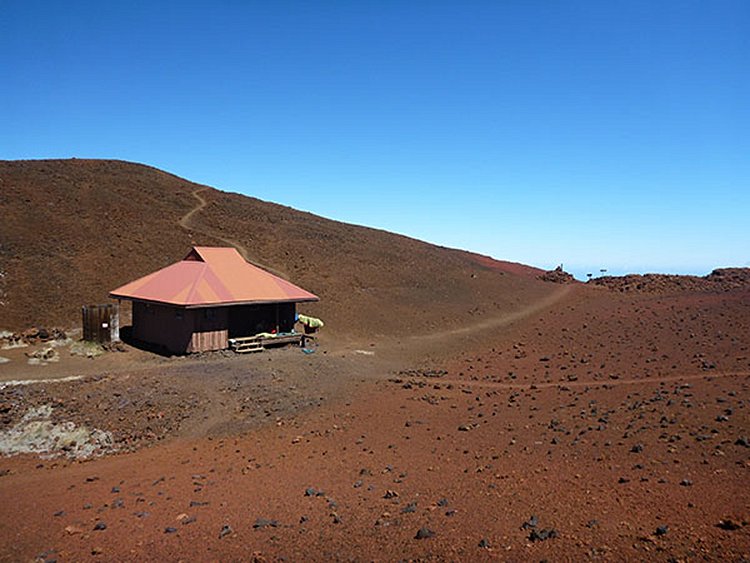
{"x":194,"y":288}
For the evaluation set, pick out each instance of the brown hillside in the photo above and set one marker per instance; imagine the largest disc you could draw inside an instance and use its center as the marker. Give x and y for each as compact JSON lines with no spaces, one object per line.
{"x":75,"y":229}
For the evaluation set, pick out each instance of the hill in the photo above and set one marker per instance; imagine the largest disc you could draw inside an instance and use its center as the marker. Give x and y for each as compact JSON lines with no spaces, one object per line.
{"x":75,"y":229}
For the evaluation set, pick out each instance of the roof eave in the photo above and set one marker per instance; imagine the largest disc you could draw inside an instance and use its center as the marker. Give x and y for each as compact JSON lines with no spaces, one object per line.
{"x":217,"y":304}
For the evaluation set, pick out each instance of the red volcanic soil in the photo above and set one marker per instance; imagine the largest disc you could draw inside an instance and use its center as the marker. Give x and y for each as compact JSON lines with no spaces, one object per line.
{"x":617,"y":424}
{"x":456,"y":408}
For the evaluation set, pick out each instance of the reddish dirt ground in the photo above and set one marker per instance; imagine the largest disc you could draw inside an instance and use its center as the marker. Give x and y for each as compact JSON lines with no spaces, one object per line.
{"x":456,"y":408}
{"x":618,"y":421}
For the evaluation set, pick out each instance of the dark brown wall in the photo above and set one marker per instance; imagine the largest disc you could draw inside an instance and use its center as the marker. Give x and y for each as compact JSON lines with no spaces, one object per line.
{"x":210,"y":329}
{"x":168,"y":327}
{"x":181,"y":331}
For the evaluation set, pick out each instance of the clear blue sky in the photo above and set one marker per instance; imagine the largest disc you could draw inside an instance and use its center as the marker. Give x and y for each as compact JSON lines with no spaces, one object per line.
{"x":597,"y":134}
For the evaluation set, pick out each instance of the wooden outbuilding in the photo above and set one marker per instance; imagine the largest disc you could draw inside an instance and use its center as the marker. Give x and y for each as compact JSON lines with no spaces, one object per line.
{"x":211,"y":296}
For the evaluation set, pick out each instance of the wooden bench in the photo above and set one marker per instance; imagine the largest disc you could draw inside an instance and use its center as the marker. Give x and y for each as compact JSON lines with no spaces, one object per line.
{"x":258,"y":343}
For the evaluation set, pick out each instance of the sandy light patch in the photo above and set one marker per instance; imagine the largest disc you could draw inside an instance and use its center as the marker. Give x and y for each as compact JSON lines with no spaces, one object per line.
{"x":37,"y":433}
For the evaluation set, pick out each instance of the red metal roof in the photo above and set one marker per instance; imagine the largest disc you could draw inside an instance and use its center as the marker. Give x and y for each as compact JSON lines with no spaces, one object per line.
{"x":212,"y":276}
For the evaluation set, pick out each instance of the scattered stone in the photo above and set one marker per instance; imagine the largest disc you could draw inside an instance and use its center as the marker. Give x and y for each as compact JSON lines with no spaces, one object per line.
{"x":542,"y":535}
{"x":429,"y":373}
{"x":73,"y":530}
{"x":390,"y":494}
{"x":558,"y":275}
{"x":265,"y":523}
{"x":686,"y":483}
{"x":226,"y":529}
{"x":443,"y":502}
{"x":99,"y":526}
{"x":636,"y":449}
{"x":424,"y":533}
{"x":484,"y":543}
{"x":530,"y":523}
{"x":743,"y":441}
{"x":409,"y":508}
{"x":170,"y":530}
{"x":86,"y":349}
{"x":727,"y":524}
{"x":662,"y":530}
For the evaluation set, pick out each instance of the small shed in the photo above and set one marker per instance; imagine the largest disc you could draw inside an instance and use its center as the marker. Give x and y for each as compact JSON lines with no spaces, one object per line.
{"x":101,"y":323}
{"x":209,"y":297}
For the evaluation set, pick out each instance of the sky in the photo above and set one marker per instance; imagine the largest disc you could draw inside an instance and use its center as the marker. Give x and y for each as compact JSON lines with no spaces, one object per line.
{"x":597,"y":135}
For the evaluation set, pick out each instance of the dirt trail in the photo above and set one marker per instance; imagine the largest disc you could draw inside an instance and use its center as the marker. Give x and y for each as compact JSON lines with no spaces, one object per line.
{"x":496,"y":321}
{"x":185,"y":220}
{"x":186,"y":223}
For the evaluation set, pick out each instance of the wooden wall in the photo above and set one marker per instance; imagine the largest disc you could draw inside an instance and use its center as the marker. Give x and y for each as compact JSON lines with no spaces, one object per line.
{"x":180,"y":331}
{"x":101,"y":323}
{"x":210,"y":329}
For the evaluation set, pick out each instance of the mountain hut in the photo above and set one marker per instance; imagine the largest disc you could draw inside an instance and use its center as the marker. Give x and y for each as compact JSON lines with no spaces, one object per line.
{"x":211,"y":297}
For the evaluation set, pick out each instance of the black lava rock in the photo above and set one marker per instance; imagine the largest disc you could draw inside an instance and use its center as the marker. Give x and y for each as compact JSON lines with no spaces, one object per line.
{"x":530,"y":523}
{"x":409,"y":508}
{"x":542,"y":535}
{"x":424,"y":533}
{"x":729,"y":525}
{"x":265,"y":523}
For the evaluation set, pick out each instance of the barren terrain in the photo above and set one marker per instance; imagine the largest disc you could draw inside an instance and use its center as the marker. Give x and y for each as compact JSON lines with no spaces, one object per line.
{"x":457,"y":409}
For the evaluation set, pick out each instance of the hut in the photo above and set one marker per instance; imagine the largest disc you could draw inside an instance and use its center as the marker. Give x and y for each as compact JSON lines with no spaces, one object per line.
{"x":210,"y":297}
